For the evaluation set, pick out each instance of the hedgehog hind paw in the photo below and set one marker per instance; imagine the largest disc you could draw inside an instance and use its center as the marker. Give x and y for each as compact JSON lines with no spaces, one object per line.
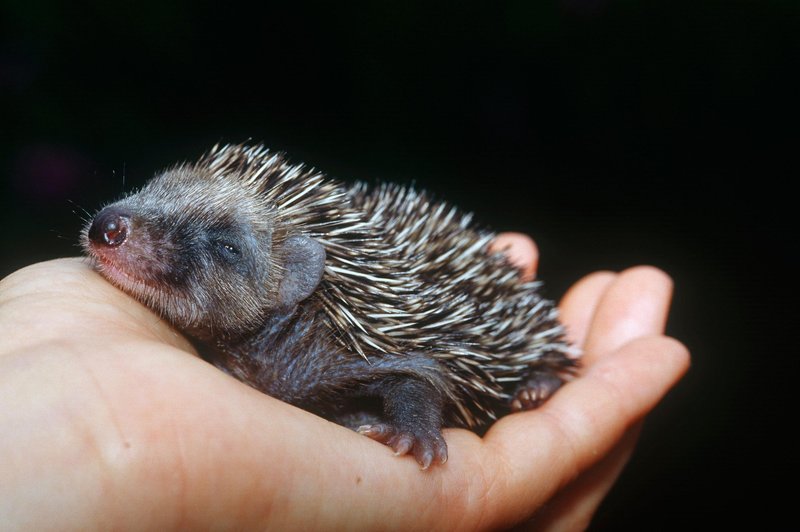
{"x":537,"y":389}
{"x":427,"y":446}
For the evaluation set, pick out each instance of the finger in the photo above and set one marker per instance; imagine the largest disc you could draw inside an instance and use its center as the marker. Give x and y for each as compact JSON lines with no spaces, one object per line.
{"x":520,"y":251}
{"x":636,"y":304}
{"x":578,"y":305}
{"x":583,"y":422}
{"x":574,"y":507}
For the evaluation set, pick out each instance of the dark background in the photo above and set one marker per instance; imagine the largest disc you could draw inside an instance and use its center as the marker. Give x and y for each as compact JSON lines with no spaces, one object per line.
{"x":616,"y":133}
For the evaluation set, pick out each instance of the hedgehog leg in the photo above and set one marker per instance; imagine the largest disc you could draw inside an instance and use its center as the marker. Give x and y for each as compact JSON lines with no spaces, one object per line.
{"x":539,"y":387}
{"x":413,"y":412}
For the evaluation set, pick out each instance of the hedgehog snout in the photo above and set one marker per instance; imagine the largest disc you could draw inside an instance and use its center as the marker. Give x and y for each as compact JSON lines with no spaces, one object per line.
{"x":110,"y":227}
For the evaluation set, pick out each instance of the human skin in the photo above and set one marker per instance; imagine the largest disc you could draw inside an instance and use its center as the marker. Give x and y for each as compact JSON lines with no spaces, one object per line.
{"x":110,"y":420}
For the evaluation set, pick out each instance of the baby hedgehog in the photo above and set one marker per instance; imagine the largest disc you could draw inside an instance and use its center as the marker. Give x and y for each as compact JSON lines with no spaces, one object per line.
{"x":377,"y":308}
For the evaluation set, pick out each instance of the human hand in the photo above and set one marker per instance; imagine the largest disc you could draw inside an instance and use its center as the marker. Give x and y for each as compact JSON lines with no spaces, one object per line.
{"x":109,"y":420}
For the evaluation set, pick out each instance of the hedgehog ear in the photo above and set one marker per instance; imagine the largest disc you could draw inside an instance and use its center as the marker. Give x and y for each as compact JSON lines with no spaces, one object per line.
{"x":304,"y":262}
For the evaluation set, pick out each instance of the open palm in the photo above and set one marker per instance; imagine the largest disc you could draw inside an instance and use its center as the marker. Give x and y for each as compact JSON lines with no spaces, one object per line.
{"x":109,"y":419}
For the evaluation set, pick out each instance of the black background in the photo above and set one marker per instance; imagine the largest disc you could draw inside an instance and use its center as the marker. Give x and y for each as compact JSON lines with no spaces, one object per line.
{"x":616,"y":133}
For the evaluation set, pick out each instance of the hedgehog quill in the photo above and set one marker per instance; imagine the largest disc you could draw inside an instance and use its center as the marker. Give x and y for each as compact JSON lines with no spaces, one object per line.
{"x":377,"y":308}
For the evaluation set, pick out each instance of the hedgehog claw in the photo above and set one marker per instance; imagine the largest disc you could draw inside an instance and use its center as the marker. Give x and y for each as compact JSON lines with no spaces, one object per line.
{"x":427,"y":448}
{"x":378,"y":432}
{"x":536,"y":390}
{"x":401,"y":443}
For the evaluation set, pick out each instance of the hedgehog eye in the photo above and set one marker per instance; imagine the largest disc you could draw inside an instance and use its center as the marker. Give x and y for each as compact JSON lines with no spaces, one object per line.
{"x":228,"y":250}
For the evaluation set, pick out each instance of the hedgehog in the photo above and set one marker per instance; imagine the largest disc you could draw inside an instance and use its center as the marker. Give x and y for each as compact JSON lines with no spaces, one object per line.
{"x":376,"y":307}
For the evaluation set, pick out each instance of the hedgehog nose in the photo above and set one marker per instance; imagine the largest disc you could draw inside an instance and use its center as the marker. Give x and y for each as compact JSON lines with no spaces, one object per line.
{"x":110,"y":227}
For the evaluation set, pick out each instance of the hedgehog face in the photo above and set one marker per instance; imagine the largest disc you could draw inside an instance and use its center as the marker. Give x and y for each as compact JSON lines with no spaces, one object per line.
{"x":191,"y":248}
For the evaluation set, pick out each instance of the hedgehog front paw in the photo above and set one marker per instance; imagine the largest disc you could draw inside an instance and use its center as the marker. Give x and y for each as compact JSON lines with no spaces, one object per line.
{"x":428,"y":446}
{"x":539,"y":387}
